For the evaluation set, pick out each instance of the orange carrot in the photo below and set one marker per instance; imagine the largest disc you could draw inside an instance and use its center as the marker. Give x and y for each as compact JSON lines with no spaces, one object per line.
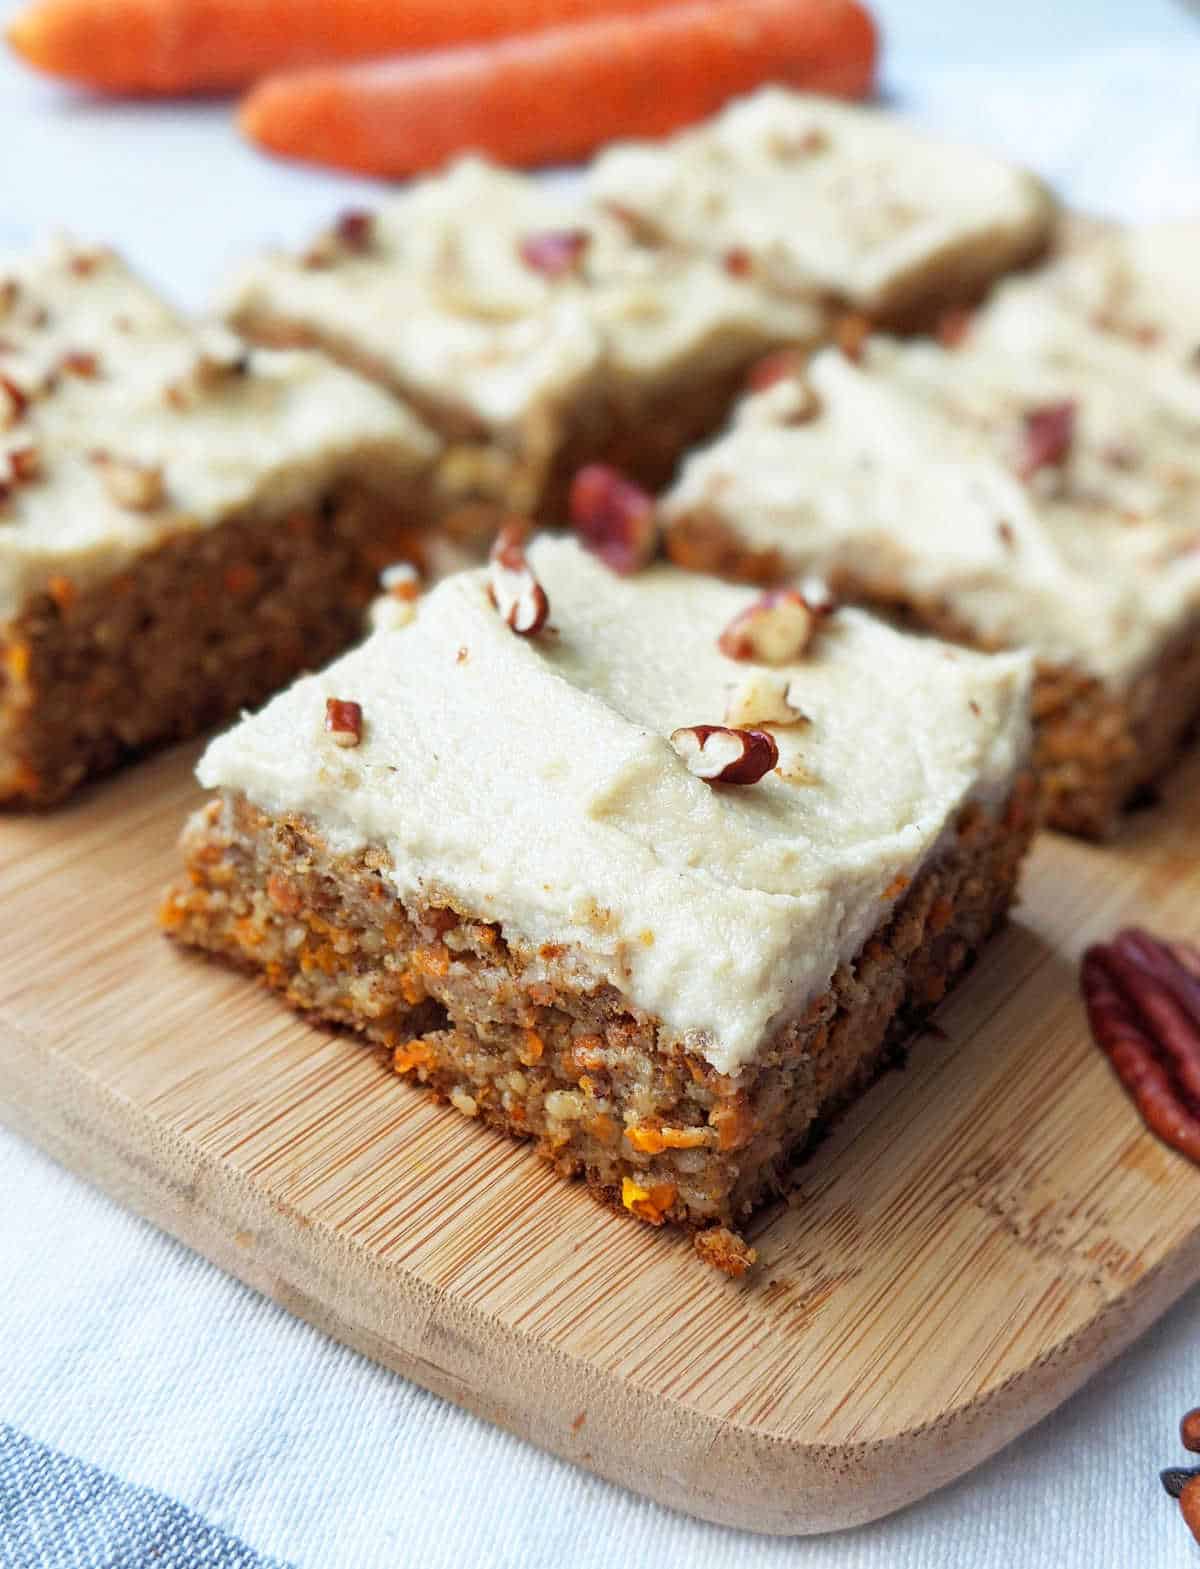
{"x":179,"y":46}
{"x":555,"y":96}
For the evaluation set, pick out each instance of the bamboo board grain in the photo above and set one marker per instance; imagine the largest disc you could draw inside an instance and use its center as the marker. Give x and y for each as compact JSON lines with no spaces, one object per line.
{"x":975,"y":1239}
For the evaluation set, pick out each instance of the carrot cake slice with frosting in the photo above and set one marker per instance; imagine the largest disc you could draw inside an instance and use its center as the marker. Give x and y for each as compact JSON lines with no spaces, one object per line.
{"x":185,"y":524}
{"x":847,"y":204}
{"x":648,"y":869}
{"x":535,"y":334}
{"x":1035,"y":484}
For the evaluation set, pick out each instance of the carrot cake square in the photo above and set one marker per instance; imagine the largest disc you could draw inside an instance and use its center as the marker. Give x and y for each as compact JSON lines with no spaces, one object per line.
{"x":647,"y":869}
{"x":848,"y":204}
{"x":185,"y":524}
{"x":535,"y":334}
{"x":1036,"y":484}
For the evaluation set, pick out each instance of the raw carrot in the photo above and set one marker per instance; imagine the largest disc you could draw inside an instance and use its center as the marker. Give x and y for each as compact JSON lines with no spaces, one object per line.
{"x":555,"y":96}
{"x":178,"y":46}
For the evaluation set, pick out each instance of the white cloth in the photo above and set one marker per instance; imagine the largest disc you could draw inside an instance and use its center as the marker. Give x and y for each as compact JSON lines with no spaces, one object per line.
{"x":121,"y":1349}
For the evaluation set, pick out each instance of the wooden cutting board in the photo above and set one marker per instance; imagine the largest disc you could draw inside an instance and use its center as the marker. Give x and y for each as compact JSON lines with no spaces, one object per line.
{"x":982,"y":1232}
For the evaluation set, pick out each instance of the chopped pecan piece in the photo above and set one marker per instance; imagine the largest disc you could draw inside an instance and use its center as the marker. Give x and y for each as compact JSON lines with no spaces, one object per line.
{"x":222,"y":359}
{"x":777,"y":366}
{"x":343,"y":721}
{"x":14,"y":400}
{"x":138,"y":487}
{"x":24,"y":464}
{"x":83,"y":263}
{"x":1046,"y":437}
{"x":355,"y":228}
{"x":1143,"y":1004}
{"x":722,"y":755}
{"x":10,"y":291}
{"x":763,"y":698}
{"x":512,"y":586}
{"x":554,"y":252}
{"x":738,"y":262}
{"x":850,"y":333}
{"x":79,"y":363}
{"x":353,"y":233}
{"x":953,"y":326}
{"x":614,"y":518}
{"x":776,"y":629}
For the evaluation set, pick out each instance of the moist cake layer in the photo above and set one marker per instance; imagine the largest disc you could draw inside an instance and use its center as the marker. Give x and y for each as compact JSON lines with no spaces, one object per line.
{"x":825,"y":199}
{"x":531,"y":781}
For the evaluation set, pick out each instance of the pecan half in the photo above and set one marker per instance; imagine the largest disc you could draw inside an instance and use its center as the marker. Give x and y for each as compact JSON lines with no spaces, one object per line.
{"x":1046,"y":437}
{"x":554,"y":252}
{"x":776,"y":629}
{"x":721,"y":755}
{"x":512,"y":585}
{"x":614,"y":518}
{"x":1143,"y":1004}
{"x":343,"y":721}
{"x":138,"y":487}
{"x":1189,"y":1430}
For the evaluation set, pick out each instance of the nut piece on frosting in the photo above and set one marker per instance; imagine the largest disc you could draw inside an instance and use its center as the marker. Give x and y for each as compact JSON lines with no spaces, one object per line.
{"x":554,"y":252}
{"x":138,"y":487}
{"x":614,"y":518}
{"x":763,"y":698}
{"x":721,"y":755}
{"x":776,"y":629}
{"x":1046,"y":438}
{"x":343,"y":721}
{"x":512,"y":586}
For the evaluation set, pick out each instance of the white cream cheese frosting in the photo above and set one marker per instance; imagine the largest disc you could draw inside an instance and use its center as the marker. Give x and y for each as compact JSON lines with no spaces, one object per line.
{"x":1140,"y":283}
{"x":439,"y":300}
{"x":908,"y":475}
{"x":113,"y":376}
{"x":826,"y":198}
{"x":532,"y":782}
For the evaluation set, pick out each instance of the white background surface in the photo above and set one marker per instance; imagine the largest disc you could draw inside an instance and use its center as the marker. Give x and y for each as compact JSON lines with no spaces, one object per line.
{"x":121,"y":1348}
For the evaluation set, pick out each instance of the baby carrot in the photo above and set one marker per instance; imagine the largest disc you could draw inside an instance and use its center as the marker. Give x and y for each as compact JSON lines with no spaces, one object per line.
{"x":179,"y":46}
{"x":555,"y":96}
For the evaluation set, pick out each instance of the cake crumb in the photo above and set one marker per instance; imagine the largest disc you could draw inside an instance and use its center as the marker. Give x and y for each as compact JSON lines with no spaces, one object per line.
{"x":725,"y":1250}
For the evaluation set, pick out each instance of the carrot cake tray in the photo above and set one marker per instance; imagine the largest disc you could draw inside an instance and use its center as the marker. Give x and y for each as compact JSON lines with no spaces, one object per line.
{"x":1032,"y":480}
{"x":538,"y":332}
{"x":185,"y":523}
{"x":607,"y":862}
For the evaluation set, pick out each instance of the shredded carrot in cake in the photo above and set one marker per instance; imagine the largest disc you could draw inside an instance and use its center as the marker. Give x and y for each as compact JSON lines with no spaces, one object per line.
{"x":652,"y":1141}
{"x":532,"y":1048}
{"x":413,"y":1054}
